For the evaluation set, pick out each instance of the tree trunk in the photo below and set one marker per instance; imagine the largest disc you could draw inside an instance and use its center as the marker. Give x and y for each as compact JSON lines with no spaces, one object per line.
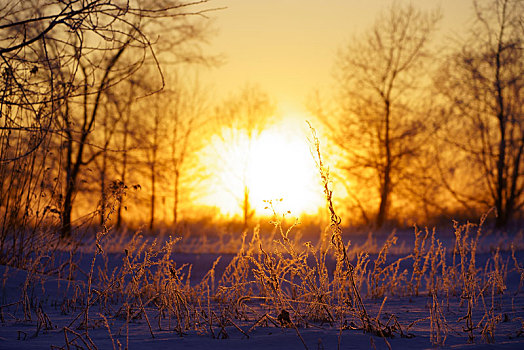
{"x":176,"y":194}
{"x":67,"y":204}
{"x":153,"y":173}
{"x":103,"y":198}
{"x":73,"y":169}
{"x":71,"y":179}
{"x":123,"y":178}
{"x":66,"y":216}
{"x":246,"y":208}
{"x":500,"y":203}
{"x":385,"y":189}
{"x":153,"y":198}
{"x":500,"y":200}
{"x":126,"y":114}
{"x":384,"y":199}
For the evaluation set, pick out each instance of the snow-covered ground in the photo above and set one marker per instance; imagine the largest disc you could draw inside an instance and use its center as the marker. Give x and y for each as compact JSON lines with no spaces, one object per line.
{"x":48,"y":311}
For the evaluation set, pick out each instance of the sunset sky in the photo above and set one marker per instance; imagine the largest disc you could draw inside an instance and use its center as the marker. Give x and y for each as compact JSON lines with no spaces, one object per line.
{"x":288,"y":47}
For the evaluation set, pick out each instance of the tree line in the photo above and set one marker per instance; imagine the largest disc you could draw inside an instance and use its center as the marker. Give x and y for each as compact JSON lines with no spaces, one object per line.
{"x":98,"y":104}
{"x":71,"y":75}
{"x":431,"y":130}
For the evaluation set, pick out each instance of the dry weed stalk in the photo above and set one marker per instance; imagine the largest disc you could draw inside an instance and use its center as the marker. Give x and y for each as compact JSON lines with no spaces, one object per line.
{"x":344,"y":269}
{"x":518,"y":268}
{"x":439,"y":325}
{"x":418,"y":253}
{"x":274,"y":281}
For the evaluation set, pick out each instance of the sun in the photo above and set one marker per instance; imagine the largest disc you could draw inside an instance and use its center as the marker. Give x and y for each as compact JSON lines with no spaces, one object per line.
{"x":275,"y":165}
{"x":282,"y":169}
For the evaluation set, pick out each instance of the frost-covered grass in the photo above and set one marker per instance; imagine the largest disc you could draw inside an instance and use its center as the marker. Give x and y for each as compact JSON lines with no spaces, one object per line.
{"x":275,"y":291}
{"x":266,"y":289}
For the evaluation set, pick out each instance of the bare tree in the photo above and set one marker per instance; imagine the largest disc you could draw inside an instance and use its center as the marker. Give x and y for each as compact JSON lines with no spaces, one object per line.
{"x":59,"y":56}
{"x":124,"y":100}
{"x":243,"y":117}
{"x":77,"y":139}
{"x":105,"y":153}
{"x":376,"y":122}
{"x":186,"y":109}
{"x":155,"y":144}
{"x":42,"y":42}
{"x":482,"y":86}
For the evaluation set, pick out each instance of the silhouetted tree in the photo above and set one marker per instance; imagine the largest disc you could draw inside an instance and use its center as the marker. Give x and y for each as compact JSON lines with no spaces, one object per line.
{"x":242,"y":118}
{"x":482,"y":85}
{"x":57,"y":59}
{"x":187,"y":113}
{"x":77,"y":133}
{"x":124,"y":101}
{"x":376,"y":122}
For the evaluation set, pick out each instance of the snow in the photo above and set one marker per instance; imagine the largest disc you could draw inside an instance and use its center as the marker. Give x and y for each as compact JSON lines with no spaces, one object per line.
{"x":56,"y":301}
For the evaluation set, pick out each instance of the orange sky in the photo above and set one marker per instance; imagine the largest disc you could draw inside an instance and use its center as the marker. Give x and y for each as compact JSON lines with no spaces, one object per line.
{"x":288,"y":46}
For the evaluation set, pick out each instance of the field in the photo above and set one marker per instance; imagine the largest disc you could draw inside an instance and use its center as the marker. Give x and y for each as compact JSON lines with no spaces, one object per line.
{"x":457,"y":288}
{"x":153,"y":155}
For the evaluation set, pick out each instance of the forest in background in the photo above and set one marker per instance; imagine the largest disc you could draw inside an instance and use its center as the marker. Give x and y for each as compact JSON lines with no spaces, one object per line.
{"x":109,"y":140}
{"x":103,"y":118}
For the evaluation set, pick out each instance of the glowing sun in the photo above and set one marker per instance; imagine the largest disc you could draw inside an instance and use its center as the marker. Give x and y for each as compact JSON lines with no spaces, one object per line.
{"x":274,"y":165}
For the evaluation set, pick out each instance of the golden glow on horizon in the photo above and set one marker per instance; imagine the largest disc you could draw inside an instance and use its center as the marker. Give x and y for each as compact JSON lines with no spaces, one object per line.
{"x":281,"y":167}
{"x":277,"y":164}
